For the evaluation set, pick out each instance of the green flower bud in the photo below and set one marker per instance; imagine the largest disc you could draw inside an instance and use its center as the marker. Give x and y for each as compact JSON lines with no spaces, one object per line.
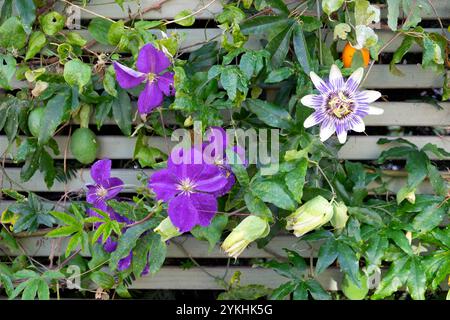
{"x":249,"y":230}
{"x":340,"y":216}
{"x":311,"y":215}
{"x":167,"y":230}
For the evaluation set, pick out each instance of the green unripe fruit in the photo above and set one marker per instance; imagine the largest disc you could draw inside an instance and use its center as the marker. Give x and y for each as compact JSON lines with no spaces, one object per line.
{"x":351,"y":289}
{"x":34,"y":121}
{"x":83,"y":145}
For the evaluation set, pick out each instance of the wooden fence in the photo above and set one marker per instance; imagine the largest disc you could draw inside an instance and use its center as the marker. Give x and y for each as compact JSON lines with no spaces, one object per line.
{"x":415,"y":114}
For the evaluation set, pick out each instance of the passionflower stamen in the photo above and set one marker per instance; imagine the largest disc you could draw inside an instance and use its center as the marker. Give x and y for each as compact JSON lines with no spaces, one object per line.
{"x":339,"y":106}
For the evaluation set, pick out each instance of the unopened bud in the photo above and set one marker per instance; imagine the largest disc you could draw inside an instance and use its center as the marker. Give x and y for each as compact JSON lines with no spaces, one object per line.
{"x":249,"y":230}
{"x":167,"y":230}
{"x":340,"y":216}
{"x":312,"y":215}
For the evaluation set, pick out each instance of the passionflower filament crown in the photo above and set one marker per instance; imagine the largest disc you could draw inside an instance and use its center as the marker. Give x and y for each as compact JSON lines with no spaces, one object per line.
{"x":339,"y":106}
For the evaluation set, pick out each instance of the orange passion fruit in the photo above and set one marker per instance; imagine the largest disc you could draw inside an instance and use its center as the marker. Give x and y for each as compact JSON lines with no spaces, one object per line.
{"x":349,"y":52}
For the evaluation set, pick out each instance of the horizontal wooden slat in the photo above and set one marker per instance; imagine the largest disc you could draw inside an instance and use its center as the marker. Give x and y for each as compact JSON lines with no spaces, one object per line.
{"x":197,"y":279}
{"x":357,"y":147}
{"x":181,"y":247}
{"x":170,"y":8}
{"x":194,"y":38}
{"x":129,"y":177}
{"x":415,"y":77}
{"x":366,"y":148}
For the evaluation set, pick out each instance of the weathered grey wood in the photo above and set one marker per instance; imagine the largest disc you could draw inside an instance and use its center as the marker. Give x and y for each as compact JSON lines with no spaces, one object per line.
{"x":181,"y":247}
{"x":170,"y":8}
{"x":356,"y":148}
{"x":194,"y":38}
{"x":380,"y":77}
{"x":366,"y":148}
{"x":129,"y":177}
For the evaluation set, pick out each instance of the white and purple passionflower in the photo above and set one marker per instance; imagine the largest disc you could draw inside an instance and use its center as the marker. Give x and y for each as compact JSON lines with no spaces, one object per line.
{"x":339,"y":106}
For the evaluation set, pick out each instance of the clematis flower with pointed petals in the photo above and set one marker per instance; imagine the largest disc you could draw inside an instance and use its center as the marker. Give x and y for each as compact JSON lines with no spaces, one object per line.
{"x":105,"y":187}
{"x":339,"y":106}
{"x":151,"y":67}
{"x":189,"y":189}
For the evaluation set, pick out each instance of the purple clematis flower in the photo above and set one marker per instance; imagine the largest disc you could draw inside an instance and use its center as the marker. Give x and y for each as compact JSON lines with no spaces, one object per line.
{"x":189,"y":189}
{"x":215,"y":149}
{"x":340,"y":106}
{"x":151,"y":64}
{"x":105,"y":187}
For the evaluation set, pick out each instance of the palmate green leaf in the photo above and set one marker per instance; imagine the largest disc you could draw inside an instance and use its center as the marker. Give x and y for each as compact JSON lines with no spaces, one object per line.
{"x":128,"y":240}
{"x":301,"y":49}
{"x":429,"y":218}
{"x":416,"y":281}
{"x":348,"y":261}
{"x":279,"y":75}
{"x":393,"y":13}
{"x":416,"y":166}
{"x":262,"y":24}
{"x":316,"y":290}
{"x":376,"y":247}
{"x":395,"y":277}
{"x":404,"y":47}
{"x":43,"y":290}
{"x":278,"y":46}
{"x":30,"y":290}
{"x":300,"y":292}
{"x":62,"y":232}
{"x":6,"y":283}
{"x":282,"y":291}
{"x":400,"y":240}
{"x":213,"y":232}
{"x":327,"y":255}
{"x":437,"y":267}
{"x":439,"y":152}
{"x":269,"y":113}
{"x":274,"y":192}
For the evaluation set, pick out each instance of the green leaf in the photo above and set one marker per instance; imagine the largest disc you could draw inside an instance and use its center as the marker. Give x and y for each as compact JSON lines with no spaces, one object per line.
{"x":348,"y":261}
{"x":102,"y":279}
{"x":282,"y":291}
{"x":12,"y":34}
{"x":213,"y":232}
{"x":75,"y":39}
{"x":158,"y":251}
{"x":233,"y":80}
{"x":295,"y":179}
{"x":54,"y":114}
{"x":30,"y":291}
{"x":400,"y":240}
{"x":274,"y":192}
{"x":128,"y":240}
{"x":52,"y":23}
{"x":121,"y":109}
{"x":6,"y":11}
{"x":279,"y":75}
{"x":330,"y":6}
{"x":327,"y":255}
{"x":300,"y":292}
{"x":269,"y":113}
{"x":264,"y":23}
{"x":62,"y":232}
{"x":36,"y":43}
{"x":185,"y":18}
{"x":99,"y":28}
{"x":77,"y":73}
{"x":416,"y":281}
{"x":393,"y":13}
{"x":26,"y":10}
{"x":439,"y":184}
{"x":301,"y":49}
{"x":7,"y":71}
{"x":257,"y":207}
{"x":316,"y":290}
{"x":429,"y":218}
{"x":439,"y":152}
{"x":278,"y":46}
{"x":43,"y":291}
{"x":404,"y":47}
{"x":115,"y":32}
